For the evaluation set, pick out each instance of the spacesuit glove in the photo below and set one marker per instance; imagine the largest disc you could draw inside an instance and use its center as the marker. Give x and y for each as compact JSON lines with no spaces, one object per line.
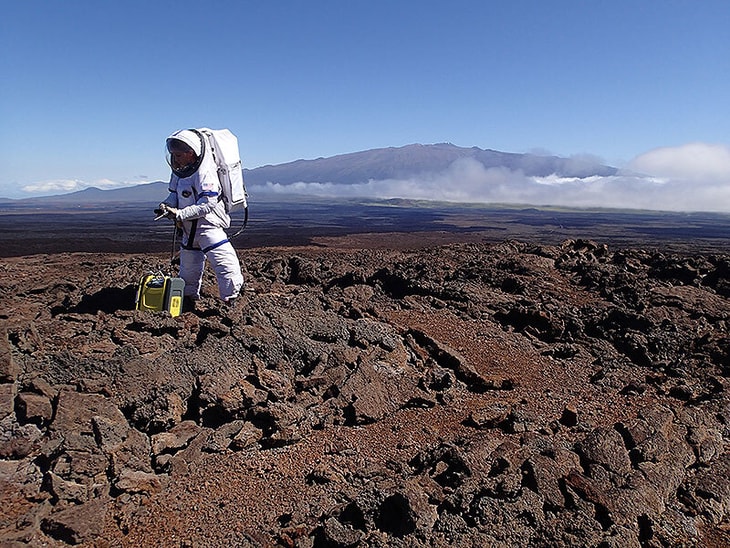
{"x":171,"y":213}
{"x":164,"y":210}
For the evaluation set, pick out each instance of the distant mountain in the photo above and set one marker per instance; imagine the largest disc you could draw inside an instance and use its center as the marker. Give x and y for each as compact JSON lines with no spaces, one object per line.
{"x":358,"y":167}
{"x":148,"y":193}
{"x":411,"y":160}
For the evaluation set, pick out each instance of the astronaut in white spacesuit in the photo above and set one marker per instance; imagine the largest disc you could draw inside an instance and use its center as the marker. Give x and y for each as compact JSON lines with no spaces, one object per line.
{"x":195,"y":204}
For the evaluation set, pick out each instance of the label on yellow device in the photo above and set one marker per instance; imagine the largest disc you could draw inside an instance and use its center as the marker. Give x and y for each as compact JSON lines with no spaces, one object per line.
{"x":157,"y":292}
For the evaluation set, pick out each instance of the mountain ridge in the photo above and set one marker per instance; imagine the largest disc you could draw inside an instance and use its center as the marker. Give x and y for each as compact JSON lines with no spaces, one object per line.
{"x":409,"y":160}
{"x":403,"y":162}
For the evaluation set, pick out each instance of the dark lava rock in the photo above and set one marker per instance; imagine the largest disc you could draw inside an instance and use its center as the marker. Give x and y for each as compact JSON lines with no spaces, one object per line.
{"x":461,"y":395}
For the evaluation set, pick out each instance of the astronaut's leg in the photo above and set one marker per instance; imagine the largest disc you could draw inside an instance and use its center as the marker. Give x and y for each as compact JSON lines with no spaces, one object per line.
{"x":192,"y":263}
{"x":224,"y":261}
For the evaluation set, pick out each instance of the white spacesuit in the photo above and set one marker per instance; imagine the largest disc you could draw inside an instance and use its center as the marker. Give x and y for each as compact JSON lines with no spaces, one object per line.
{"x":194,"y":203}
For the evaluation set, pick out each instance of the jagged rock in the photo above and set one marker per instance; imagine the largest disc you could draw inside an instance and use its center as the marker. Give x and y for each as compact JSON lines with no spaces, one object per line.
{"x":9,"y":369}
{"x":18,"y":442}
{"x":569,"y":417}
{"x":605,"y":446}
{"x":177,"y":438}
{"x":43,"y":387}
{"x":706,"y":443}
{"x":656,"y":438}
{"x":710,"y":491}
{"x":67,"y":490}
{"x":490,"y":417}
{"x":75,"y":412}
{"x":543,"y":474}
{"x":130,"y":453}
{"x":522,"y":420}
{"x":374,"y":390}
{"x":82,"y":465}
{"x":303,"y":271}
{"x":8,"y":391}
{"x":281,"y":423}
{"x":278,"y":385}
{"x":78,"y":523}
{"x":450,"y":358}
{"x":22,"y":477}
{"x":334,"y":533}
{"x":324,"y":474}
{"x":421,"y":511}
{"x":532,"y":320}
{"x":181,"y":461}
{"x":221,"y":439}
{"x":247,"y":436}
{"x":35,"y":408}
{"x":131,"y":481}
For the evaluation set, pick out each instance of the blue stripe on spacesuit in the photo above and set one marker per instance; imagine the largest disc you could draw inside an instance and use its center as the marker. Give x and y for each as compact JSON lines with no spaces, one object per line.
{"x":208,"y":193}
{"x":215,"y":245}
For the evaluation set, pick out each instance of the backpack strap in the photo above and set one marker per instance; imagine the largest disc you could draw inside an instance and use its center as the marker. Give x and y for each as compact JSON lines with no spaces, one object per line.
{"x":193,"y":226}
{"x":191,"y":236}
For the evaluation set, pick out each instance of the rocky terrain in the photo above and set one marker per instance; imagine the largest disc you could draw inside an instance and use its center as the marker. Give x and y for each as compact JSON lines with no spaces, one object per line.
{"x":371,"y":394}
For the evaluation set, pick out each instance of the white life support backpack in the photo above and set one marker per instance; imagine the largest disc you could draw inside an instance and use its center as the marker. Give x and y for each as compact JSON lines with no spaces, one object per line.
{"x":224,"y":146}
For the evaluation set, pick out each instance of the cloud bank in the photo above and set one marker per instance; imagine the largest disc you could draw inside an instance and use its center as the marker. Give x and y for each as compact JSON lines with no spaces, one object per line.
{"x":63,"y":186}
{"x":691,"y":177}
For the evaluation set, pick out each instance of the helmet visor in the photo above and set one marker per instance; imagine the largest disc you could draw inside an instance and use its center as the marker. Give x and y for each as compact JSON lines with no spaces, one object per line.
{"x":181,"y":158}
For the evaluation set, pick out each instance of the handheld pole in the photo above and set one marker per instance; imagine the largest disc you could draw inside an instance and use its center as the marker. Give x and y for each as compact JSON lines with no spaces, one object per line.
{"x":174,"y":241}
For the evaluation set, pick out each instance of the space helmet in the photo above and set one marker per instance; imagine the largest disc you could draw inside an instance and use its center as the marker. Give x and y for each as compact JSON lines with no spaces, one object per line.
{"x":184,"y":152}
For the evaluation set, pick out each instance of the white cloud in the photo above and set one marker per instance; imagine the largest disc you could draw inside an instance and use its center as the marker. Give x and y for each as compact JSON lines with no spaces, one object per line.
{"x":53,"y":186}
{"x":693,"y":162}
{"x":693,"y":177}
{"x":58,"y":186}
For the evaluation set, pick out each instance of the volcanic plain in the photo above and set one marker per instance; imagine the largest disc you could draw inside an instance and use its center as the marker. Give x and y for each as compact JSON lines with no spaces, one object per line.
{"x":391,"y":376}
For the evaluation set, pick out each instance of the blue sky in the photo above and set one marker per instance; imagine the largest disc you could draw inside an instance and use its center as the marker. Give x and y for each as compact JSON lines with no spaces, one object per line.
{"x":90,"y":89}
